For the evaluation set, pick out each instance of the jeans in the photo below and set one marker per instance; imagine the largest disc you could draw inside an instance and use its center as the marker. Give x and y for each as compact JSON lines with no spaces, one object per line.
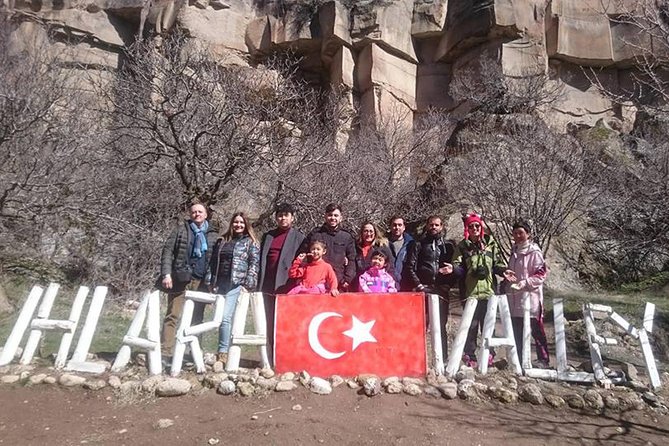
{"x":224,"y":333}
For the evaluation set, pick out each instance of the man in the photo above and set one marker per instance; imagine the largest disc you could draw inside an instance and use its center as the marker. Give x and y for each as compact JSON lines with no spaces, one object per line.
{"x":340,"y":246}
{"x":278,"y":248}
{"x":400,"y":245}
{"x":426,"y":269}
{"x":183,"y":265}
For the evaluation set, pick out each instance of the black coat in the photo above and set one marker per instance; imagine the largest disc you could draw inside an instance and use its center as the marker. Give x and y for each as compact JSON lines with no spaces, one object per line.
{"x":340,"y":251}
{"x":174,"y":256}
{"x":424,"y":260}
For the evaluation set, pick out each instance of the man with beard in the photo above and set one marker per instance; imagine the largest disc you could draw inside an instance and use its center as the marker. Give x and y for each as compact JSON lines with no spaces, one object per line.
{"x":427,"y":272}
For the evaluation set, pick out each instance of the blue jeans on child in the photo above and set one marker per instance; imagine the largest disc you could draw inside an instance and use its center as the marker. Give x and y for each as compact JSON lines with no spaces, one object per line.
{"x":231,"y":298}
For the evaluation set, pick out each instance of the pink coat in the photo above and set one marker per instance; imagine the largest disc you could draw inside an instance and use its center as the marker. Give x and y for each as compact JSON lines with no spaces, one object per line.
{"x":528,"y":263}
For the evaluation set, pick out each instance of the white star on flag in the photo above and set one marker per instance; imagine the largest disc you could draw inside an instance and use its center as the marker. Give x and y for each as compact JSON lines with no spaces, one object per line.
{"x":360,"y":332}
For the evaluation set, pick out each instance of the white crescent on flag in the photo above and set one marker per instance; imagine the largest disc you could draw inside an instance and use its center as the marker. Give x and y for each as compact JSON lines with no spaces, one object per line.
{"x":314,"y":342}
{"x":359,"y":332}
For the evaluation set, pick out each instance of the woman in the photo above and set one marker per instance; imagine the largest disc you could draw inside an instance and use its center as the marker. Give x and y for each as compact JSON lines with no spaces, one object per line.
{"x":529,"y":268}
{"x":234,"y":266}
{"x":369,"y":240}
{"x":477,"y":261}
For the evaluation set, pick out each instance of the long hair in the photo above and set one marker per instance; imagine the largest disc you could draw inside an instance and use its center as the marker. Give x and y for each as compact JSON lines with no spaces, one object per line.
{"x":379,"y":238}
{"x":248,"y":230}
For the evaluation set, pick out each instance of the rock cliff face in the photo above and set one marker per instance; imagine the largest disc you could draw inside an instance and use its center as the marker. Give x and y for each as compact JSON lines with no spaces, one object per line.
{"x":392,"y":57}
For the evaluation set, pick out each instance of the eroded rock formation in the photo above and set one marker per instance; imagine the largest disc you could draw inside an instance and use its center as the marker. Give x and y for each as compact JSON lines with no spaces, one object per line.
{"x":391,"y":57}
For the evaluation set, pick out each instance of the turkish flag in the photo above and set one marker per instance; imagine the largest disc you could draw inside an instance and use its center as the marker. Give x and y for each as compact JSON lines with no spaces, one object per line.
{"x":352,"y":333}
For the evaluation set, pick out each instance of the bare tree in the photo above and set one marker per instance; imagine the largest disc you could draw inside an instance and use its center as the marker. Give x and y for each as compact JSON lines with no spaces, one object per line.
{"x":631,"y":218}
{"x":380,"y":173}
{"x":175,"y":109}
{"x":515,"y":167}
{"x":483,"y":87}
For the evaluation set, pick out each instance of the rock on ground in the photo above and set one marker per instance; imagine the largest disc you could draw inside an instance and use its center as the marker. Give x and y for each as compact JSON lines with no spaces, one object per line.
{"x":50,"y":380}
{"x":371,"y":386}
{"x":503,"y":395}
{"x":9,"y":379}
{"x":226,"y":387}
{"x":555,"y":401}
{"x":320,"y":386}
{"x":114,"y":382}
{"x":164,"y":423}
{"x":448,"y":390}
{"x":412,"y":389}
{"x":266,"y":383}
{"x":394,"y":387}
{"x":69,"y":380}
{"x":336,"y":380}
{"x":37,"y":379}
{"x":245,"y":388}
{"x":95,"y":384}
{"x":631,"y":401}
{"x":465,"y":373}
{"x":173,"y":387}
{"x":466,"y":390}
{"x":267,"y":373}
{"x":612,"y":403}
{"x":149,"y":384}
{"x":593,"y":400}
{"x":574,"y":400}
{"x":285,"y":386}
{"x":531,"y":393}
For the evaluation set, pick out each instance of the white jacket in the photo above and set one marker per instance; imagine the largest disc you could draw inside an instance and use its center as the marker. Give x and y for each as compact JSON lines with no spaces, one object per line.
{"x":528,"y":263}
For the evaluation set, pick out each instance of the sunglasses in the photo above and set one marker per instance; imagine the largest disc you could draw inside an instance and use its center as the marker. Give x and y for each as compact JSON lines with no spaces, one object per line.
{"x":474,"y":226}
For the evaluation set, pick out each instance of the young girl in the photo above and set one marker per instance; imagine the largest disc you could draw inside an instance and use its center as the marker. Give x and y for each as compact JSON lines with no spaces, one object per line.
{"x":529,"y":268}
{"x":369,"y":240}
{"x":234,"y":265}
{"x":376,"y":279}
{"x":315,"y":274}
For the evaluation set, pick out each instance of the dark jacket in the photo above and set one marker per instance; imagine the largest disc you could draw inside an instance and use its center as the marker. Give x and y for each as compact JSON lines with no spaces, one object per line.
{"x":362,"y":263}
{"x":425,"y":259}
{"x":399,"y":258}
{"x":242,"y":269}
{"x":340,"y":246}
{"x":175,"y":253}
{"x":289,"y":251}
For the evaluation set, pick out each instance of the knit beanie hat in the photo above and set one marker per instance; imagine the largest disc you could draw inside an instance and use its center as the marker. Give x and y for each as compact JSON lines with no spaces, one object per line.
{"x":472,"y":218}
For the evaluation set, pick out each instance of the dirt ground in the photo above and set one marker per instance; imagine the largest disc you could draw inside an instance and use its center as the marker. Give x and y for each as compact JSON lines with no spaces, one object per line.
{"x":58,"y":416}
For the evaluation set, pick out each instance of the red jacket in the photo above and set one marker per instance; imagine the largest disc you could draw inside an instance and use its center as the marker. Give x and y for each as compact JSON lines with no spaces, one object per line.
{"x":313,"y":273}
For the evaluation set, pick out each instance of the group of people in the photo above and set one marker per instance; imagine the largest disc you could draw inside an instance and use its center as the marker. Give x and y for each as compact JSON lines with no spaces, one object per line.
{"x":330,"y":260}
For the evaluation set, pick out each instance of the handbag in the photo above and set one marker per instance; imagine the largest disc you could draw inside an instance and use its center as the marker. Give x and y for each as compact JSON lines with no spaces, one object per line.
{"x":182,"y":275}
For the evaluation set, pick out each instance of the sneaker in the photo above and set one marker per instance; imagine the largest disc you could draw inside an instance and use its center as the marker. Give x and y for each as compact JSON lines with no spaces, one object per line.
{"x":470,"y":361}
{"x":541,"y":364}
{"x":222,"y":357}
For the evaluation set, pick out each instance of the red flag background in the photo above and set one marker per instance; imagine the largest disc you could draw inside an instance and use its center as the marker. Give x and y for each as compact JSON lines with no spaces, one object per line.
{"x":351,"y":334}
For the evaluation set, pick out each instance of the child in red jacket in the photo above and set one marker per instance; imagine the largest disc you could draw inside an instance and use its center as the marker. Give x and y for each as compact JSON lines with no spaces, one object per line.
{"x":317,"y":276}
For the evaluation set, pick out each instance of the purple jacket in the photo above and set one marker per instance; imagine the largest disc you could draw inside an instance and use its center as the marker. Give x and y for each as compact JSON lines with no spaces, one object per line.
{"x":377,"y":281}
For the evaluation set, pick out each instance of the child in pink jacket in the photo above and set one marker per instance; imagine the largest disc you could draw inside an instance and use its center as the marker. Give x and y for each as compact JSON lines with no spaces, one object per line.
{"x":527,"y":263}
{"x":376,"y":279}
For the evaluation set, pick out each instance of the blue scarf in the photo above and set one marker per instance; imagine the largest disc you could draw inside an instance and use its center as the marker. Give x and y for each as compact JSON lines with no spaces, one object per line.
{"x":200,"y":243}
